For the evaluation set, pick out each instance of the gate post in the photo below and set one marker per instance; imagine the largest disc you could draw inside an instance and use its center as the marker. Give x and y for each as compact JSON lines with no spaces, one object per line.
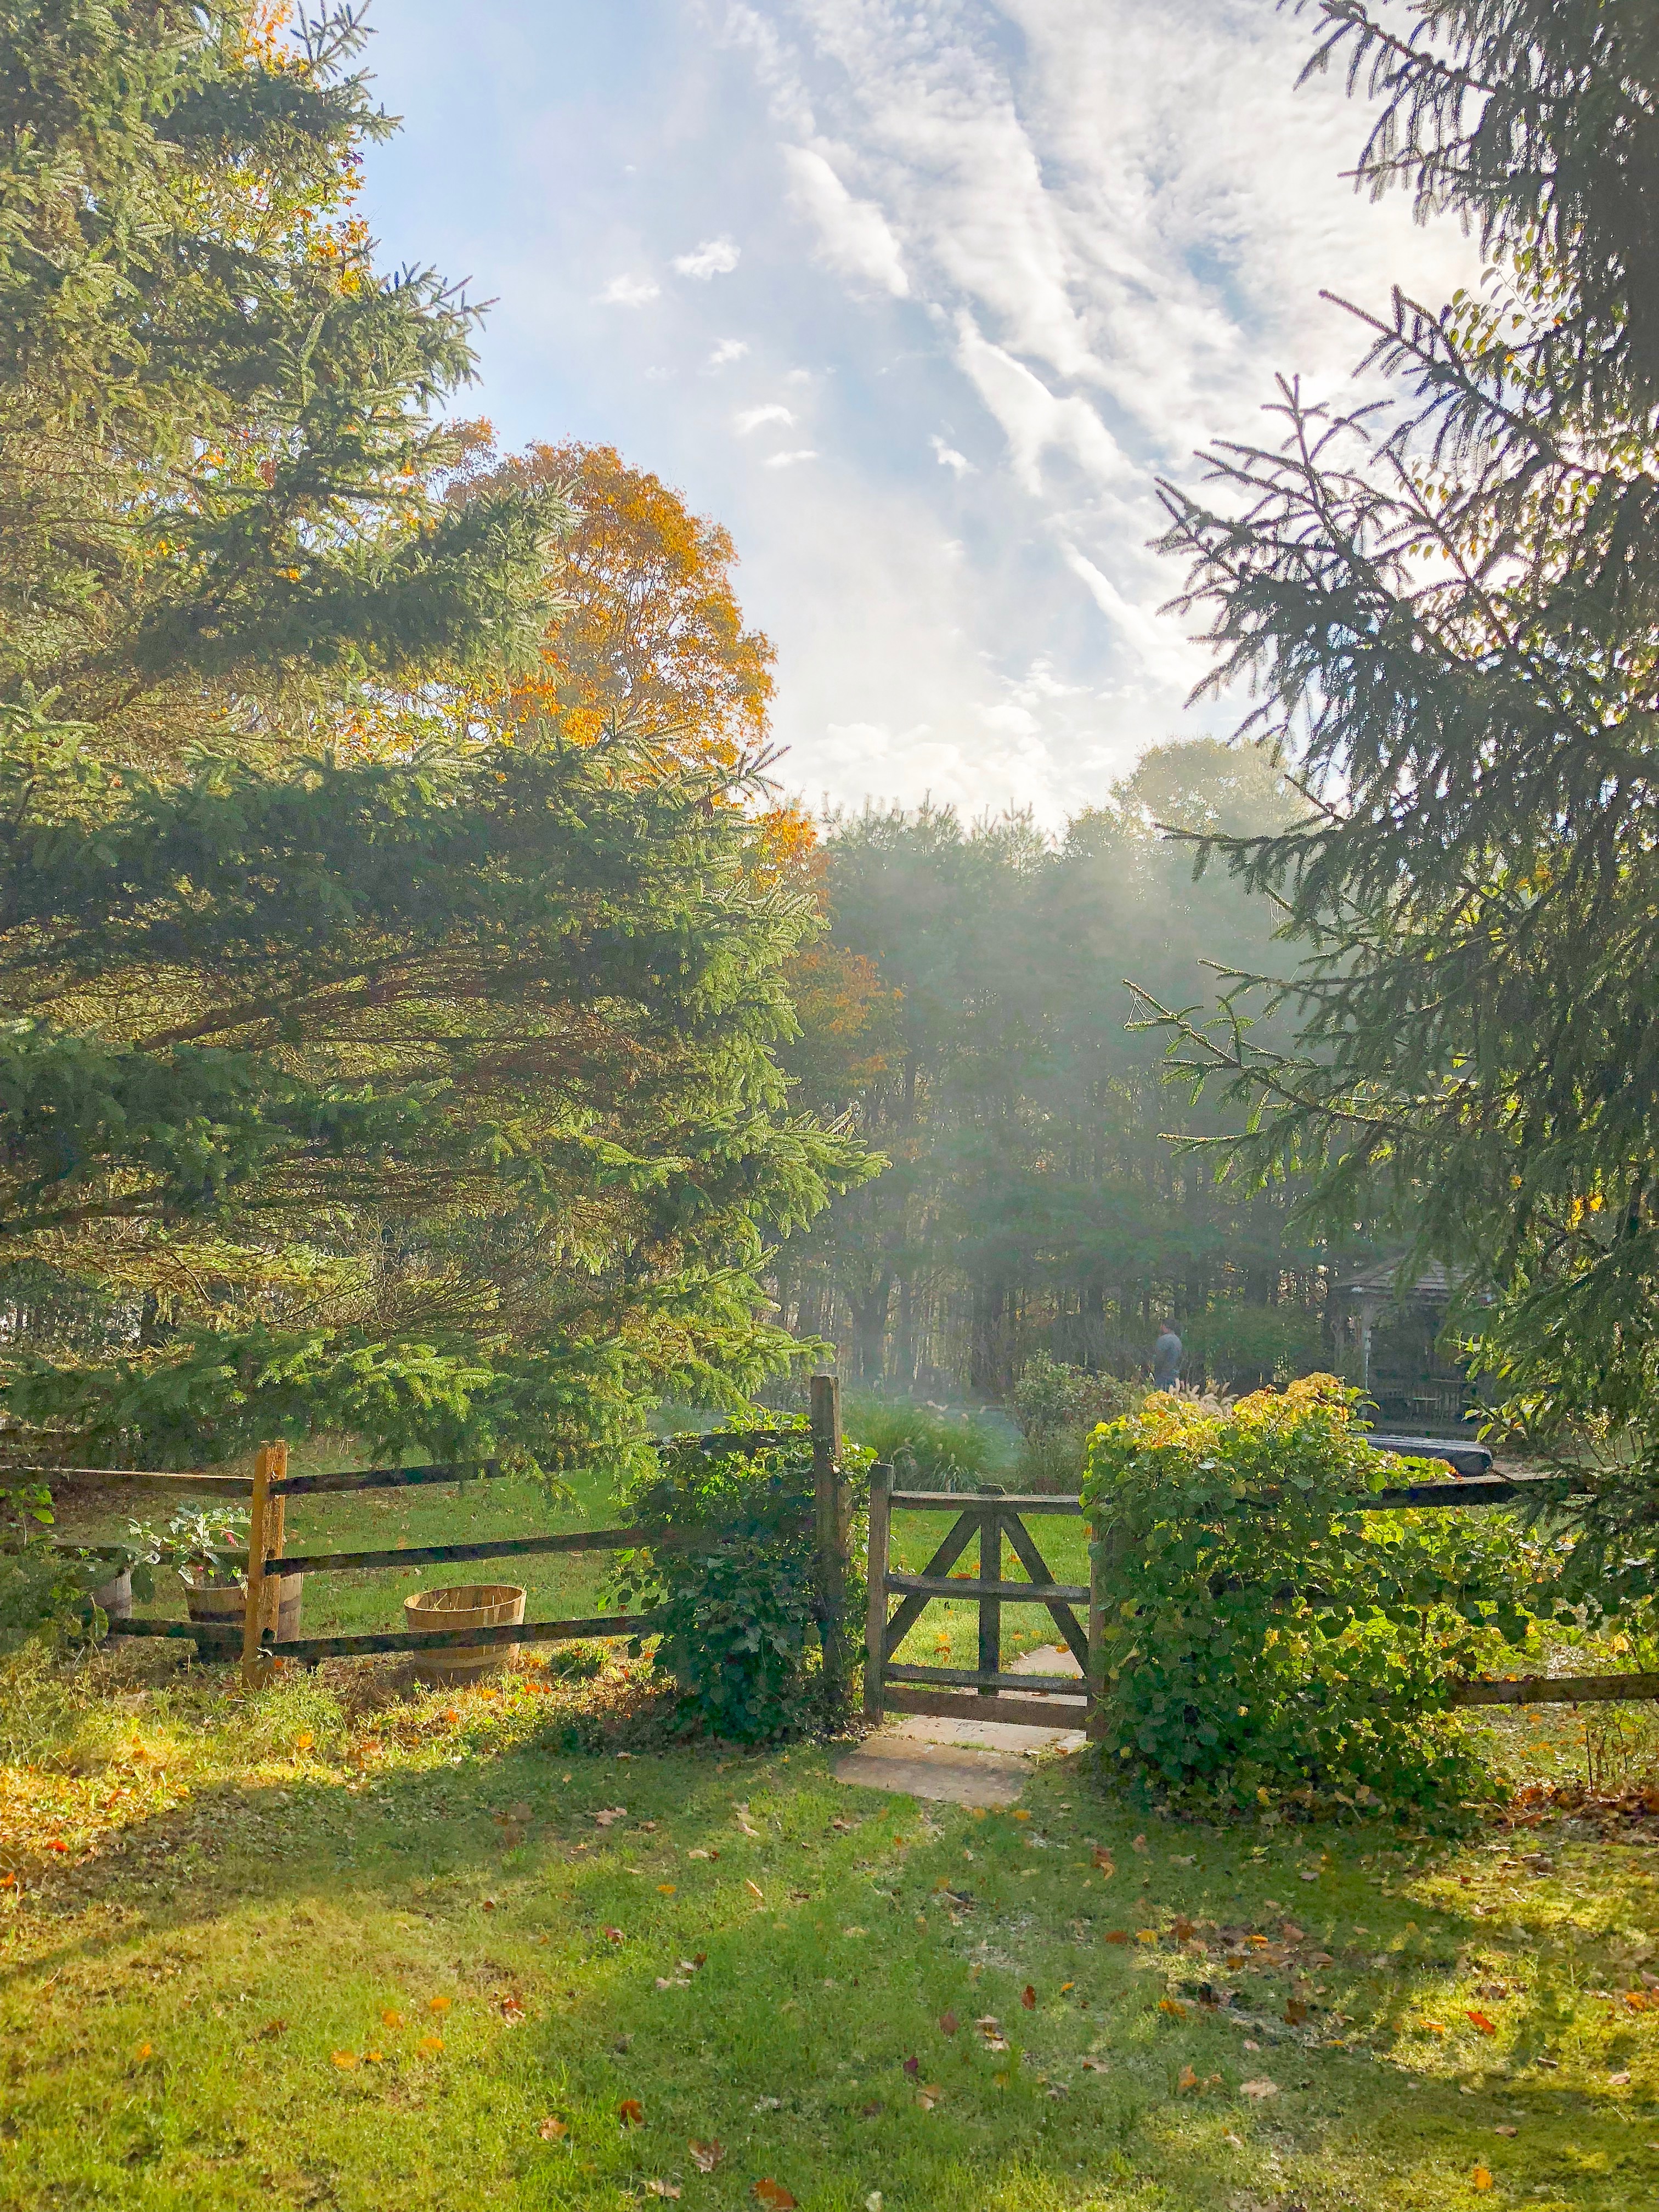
{"x":990,"y":1609}
{"x":264,"y":1521}
{"x":830,"y":1499}
{"x":875,"y":1617}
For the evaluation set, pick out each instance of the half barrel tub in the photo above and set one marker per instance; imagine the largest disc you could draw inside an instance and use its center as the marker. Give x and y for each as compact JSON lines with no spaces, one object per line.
{"x":467,"y":1605}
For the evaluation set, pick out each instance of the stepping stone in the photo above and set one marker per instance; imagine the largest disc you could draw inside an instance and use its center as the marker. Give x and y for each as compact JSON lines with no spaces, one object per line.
{"x":964,"y":1762}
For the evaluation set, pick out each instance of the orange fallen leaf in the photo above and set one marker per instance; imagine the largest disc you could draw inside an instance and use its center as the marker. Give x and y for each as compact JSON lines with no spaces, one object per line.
{"x":666,"y":1889}
{"x":511,"y":2007}
{"x":144,"y":2050}
{"x":1117,"y":1934}
{"x":391,"y":2018}
{"x":1066,"y":1985}
{"x":1146,"y":1934}
{"x":614,"y":1935}
{"x":1188,"y":2079}
{"x":706,"y":2156}
{"x":1105,"y":1862}
{"x":773,"y":2196}
{"x":57,"y":1844}
{"x":1480,"y":2020}
{"x":631,"y":2112}
{"x":1481,"y":2177}
{"x":1174,"y":2007}
{"x":438,"y":2004}
{"x":304,"y":1742}
{"x":948,"y":2023}
{"x":345,"y":2060}
{"x":371,"y":2058}
{"x":662,"y":2189}
{"x":272,"y":2029}
{"x":1028,"y":1997}
{"x":551,"y":2130}
{"x":430,"y":2043}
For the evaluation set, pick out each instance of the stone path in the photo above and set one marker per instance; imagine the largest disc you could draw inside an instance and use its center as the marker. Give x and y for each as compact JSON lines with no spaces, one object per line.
{"x":963,"y":1762}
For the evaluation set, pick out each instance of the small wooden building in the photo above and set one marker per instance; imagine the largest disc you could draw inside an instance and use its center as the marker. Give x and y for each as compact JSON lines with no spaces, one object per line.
{"x":1389,"y":1340}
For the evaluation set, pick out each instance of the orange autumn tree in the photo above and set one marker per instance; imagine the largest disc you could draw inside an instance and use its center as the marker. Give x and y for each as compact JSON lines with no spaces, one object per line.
{"x":645,"y":628}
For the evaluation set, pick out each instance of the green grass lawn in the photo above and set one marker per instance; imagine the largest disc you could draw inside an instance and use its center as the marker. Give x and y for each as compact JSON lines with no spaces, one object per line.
{"x":347,"y":1944}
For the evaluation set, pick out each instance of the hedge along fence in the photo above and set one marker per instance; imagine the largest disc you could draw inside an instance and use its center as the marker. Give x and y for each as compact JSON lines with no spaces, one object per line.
{"x":819,"y":1520}
{"x":1269,"y":1620}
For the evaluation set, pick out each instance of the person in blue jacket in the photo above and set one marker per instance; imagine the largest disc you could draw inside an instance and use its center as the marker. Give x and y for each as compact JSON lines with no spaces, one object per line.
{"x":1166,"y":1358}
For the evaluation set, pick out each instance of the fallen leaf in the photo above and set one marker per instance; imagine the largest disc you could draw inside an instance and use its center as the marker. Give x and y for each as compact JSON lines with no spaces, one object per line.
{"x":371,"y":2058}
{"x":608,"y":1815}
{"x":1190,"y":1859}
{"x":1480,"y":2020}
{"x":1094,"y":2066}
{"x":1066,"y":1985}
{"x":741,"y":1814}
{"x":702,"y":1855}
{"x":552,"y":2130}
{"x":856,"y":1931}
{"x":390,"y":2018}
{"x":868,"y":2111}
{"x":929,"y":2096}
{"x":1188,"y":2079}
{"x":706,"y":2156}
{"x":1307,"y":1877}
{"x":144,"y":2050}
{"x":1174,"y":2007}
{"x":913,"y":2066}
{"x":345,"y":2060}
{"x":1146,"y":1934}
{"x":1618,"y":2080}
{"x":754,"y":1891}
{"x":1238,"y":2142}
{"x":1183,"y":1929}
{"x":1258,"y":2090}
{"x":844,"y":1825}
{"x":1295,"y":2011}
{"x":1506,"y":2131}
{"x":271,"y":2029}
{"x":1481,"y":2177}
{"x":664,"y":1889}
{"x":1028,"y":1997}
{"x":304,"y":1742}
{"x":615,"y":1935}
{"x":57,"y":1844}
{"x":773,"y":2196}
{"x":662,"y":2189}
{"x":431,"y":2042}
{"x":1117,"y":1934}
{"x":631,"y":2112}
{"x":511,"y":2007}
{"x":438,"y":2004}
{"x":874,"y":2201}
{"x":1139,"y":1845}
{"x":948,"y":2023}
{"x":1291,"y":1933}
{"x":1105,"y":1862}
{"x":489,"y":1905}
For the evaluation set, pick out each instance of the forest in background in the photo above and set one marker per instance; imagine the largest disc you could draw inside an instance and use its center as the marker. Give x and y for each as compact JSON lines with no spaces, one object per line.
{"x":970,"y":1014}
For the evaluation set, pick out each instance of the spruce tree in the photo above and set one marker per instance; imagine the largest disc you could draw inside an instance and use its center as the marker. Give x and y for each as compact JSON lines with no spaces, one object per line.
{"x":1448,"y":602}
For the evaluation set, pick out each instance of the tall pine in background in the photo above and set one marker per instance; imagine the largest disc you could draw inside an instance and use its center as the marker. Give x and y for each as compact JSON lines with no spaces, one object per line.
{"x":379,"y":1054}
{"x":1448,"y":602}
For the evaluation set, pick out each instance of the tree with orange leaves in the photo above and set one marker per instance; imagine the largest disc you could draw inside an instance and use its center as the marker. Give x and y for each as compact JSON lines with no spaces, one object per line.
{"x":646,"y":629}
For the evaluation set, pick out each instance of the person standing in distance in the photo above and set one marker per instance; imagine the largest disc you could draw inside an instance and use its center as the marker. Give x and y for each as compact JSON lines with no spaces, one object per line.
{"x":1166,"y":1358}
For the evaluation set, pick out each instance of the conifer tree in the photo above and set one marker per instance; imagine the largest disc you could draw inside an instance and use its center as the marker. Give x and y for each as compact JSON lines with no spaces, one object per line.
{"x":1448,"y":602}
{"x":374,"y":1056}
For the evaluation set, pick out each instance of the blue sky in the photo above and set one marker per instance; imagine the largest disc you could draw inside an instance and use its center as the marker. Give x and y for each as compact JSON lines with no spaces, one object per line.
{"x":918,"y":297}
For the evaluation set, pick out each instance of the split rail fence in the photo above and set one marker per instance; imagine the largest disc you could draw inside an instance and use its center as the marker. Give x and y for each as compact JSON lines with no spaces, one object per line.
{"x":267,"y":1562}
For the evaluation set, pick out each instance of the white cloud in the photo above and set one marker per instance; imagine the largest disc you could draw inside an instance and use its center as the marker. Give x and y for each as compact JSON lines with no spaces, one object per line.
{"x":788,"y":460}
{"x":958,"y":464}
{"x":748,"y":419}
{"x":728,"y":349}
{"x":629,"y":292}
{"x":715,"y":257}
{"x":853,"y":235}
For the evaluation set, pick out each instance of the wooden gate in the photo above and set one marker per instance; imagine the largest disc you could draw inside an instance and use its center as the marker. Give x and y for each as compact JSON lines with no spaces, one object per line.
{"x":981,"y":1692}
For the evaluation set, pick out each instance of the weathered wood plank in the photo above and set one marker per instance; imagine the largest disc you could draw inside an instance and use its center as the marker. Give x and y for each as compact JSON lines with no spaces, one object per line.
{"x":1556,"y":1690}
{"x":962,"y":1501}
{"x":970,"y":1678}
{"x":949,"y":1705}
{"x":1048,"y":1593}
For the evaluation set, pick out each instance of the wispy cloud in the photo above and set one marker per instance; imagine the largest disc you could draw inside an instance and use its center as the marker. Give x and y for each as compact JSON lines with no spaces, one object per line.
{"x":715,"y":257}
{"x":748,"y":419}
{"x":958,"y":464}
{"x":788,"y":460}
{"x":629,"y":292}
{"x":728,"y":350}
{"x":853,"y":236}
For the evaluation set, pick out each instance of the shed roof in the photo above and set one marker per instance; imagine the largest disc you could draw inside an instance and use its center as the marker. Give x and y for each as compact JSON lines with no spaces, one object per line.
{"x":1381,"y":1278}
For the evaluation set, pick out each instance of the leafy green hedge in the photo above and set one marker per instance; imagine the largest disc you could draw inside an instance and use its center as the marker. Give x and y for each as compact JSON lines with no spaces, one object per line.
{"x":1262,"y":1636}
{"x":740,"y":1638}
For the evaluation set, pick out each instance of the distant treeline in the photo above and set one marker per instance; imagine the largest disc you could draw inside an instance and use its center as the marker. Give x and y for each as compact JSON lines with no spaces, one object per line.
{"x":970,"y":1012}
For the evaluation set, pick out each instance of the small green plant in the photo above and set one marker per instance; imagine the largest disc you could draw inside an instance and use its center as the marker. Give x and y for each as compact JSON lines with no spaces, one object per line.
{"x":44,"y":1586}
{"x":730,"y":1562}
{"x":1051,"y":1398}
{"x":1263,"y":1637}
{"x":194,"y":1544}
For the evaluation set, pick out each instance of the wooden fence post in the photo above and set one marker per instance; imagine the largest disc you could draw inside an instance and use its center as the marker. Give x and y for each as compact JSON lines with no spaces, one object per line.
{"x":1107,"y":1546}
{"x":829,"y":1490}
{"x":990,"y":1571}
{"x":875,"y":1618}
{"x":270,"y":1463}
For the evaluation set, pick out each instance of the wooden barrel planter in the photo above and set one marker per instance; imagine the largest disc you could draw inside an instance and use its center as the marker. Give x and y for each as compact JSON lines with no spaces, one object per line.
{"x":226,"y":1603}
{"x":114,"y":1598}
{"x":468,"y":1605}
